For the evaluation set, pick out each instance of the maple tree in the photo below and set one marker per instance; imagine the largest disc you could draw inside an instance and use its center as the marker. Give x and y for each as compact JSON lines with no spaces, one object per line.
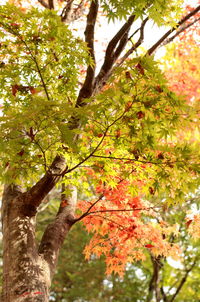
{"x":110,"y":135}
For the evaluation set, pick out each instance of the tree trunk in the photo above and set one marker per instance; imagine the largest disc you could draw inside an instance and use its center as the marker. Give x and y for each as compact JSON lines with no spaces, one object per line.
{"x":26,"y":275}
{"x":27,"y":268}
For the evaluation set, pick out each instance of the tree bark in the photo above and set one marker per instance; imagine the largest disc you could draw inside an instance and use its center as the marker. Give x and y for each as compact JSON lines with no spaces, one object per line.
{"x":27,"y":269}
{"x":154,"y":287}
{"x":26,"y":275}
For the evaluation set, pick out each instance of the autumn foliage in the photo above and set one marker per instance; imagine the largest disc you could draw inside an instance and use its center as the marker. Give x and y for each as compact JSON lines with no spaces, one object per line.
{"x":120,"y":138}
{"x":124,"y":225}
{"x":182,"y":61}
{"x":123,"y":228}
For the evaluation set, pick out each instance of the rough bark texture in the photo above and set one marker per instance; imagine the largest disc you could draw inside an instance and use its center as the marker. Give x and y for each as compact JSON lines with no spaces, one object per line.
{"x":27,"y":269}
{"x":56,"y":231}
{"x":26,"y":275}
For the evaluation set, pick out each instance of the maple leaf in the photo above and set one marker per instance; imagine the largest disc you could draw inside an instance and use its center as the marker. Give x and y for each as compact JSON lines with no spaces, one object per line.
{"x":188,"y":222}
{"x":14,"y":89}
{"x":149,"y":246}
{"x":21,"y":153}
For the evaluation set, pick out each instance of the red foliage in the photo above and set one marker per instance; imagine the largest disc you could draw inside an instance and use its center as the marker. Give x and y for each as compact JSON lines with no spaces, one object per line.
{"x":119,"y":228}
{"x":184,"y":74}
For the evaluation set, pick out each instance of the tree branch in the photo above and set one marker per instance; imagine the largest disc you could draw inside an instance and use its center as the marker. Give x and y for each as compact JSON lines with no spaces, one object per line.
{"x":182,"y":29}
{"x":136,"y":45}
{"x":15,"y":33}
{"x":114,"y":49}
{"x":98,"y":145}
{"x":87,"y":88}
{"x":39,"y":72}
{"x":36,"y":194}
{"x":66,"y":12}
{"x":51,"y":4}
{"x":43,"y":3}
{"x":162,"y":39}
{"x":87,"y":213}
{"x":164,"y":296}
{"x":183,"y":280}
{"x":57,"y":230}
{"x":69,"y":13}
{"x":78,"y":10}
{"x":93,"y":204}
{"x":88,"y":210}
{"x":154,"y":282}
{"x":89,"y":155}
{"x":129,"y":159}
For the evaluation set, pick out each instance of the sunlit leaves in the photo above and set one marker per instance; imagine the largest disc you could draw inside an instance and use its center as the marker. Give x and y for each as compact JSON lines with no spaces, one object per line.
{"x":140,"y":118}
{"x":122,"y":145}
{"x":194,"y":226}
{"x":161,"y":12}
{"x":39,"y":84}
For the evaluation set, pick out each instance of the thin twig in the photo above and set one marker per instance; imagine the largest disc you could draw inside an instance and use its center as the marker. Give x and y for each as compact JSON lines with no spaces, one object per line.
{"x":88,"y":210}
{"x":32,"y":56}
{"x":43,"y":153}
{"x":136,"y":45}
{"x":90,"y":155}
{"x":114,"y":49}
{"x":183,"y":280}
{"x":164,"y":37}
{"x":182,"y":29}
{"x":66,"y":12}
{"x":128,"y":159}
{"x":122,"y":210}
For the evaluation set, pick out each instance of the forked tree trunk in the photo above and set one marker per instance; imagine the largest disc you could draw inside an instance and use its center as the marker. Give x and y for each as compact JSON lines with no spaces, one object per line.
{"x":27,"y":268}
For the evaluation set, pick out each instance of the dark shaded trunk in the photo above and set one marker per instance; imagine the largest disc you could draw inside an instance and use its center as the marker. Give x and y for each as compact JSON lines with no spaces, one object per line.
{"x":154,"y":284}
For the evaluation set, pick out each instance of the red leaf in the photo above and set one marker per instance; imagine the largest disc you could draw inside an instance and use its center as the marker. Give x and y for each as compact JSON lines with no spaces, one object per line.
{"x":158,"y":88}
{"x":118,"y":133}
{"x":14,"y":25}
{"x":149,"y":246}
{"x":160,"y":155}
{"x":140,"y":68}
{"x":140,"y":114}
{"x":32,"y":90}
{"x":21,"y":153}
{"x":128,"y":75}
{"x":31,"y":134}
{"x":14,"y":89}
{"x":151,"y":191}
{"x":7,"y":164}
{"x":188,"y":223}
{"x":128,"y":106}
